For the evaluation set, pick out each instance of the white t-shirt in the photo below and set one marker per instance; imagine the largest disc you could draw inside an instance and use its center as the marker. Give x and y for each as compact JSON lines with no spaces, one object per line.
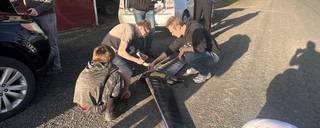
{"x":267,"y":123}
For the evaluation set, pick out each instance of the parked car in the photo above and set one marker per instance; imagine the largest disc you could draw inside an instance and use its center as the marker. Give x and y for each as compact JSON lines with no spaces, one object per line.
{"x":24,"y":51}
{"x":164,"y":9}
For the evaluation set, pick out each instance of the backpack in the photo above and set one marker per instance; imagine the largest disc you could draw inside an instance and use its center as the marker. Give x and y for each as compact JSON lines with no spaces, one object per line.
{"x":108,"y":94}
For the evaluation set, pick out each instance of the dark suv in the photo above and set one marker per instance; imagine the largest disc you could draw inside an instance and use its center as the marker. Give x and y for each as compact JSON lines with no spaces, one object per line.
{"x":24,"y":52}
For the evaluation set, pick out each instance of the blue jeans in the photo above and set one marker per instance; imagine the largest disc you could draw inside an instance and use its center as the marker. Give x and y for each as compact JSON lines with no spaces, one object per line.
{"x":199,"y":61}
{"x":48,"y":23}
{"x":123,"y":65}
{"x":149,"y":16}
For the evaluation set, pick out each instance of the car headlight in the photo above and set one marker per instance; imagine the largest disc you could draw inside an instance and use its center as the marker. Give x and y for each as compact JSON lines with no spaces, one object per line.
{"x":31,"y":47}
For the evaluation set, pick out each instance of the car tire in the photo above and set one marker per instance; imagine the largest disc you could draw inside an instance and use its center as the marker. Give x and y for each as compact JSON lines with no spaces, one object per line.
{"x":185,"y":16}
{"x":20,"y":90}
{"x":110,"y":8}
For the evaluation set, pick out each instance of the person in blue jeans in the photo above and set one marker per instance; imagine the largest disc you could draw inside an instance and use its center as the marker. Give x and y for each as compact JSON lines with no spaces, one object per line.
{"x":43,"y":12}
{"x":144,"y":10}
{"x":194,"y":46}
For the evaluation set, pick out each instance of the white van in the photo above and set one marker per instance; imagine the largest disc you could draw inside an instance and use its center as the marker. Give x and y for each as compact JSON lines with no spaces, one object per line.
{"x":164,"y":9}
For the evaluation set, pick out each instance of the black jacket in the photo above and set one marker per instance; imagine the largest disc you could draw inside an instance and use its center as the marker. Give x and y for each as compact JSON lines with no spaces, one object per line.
{"x":195,"y":36}
{"x":143,"y":5}
{"x":43,"y":7}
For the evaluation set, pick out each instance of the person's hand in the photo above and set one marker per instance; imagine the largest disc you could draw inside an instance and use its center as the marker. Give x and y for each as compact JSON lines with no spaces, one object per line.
{"x":32,"y":12}
{"x":151,"y":65}
{"x":140,"y":61}
{"x":181,"y":53}
{"x":126,"y":94}
{"x":143,"y":56}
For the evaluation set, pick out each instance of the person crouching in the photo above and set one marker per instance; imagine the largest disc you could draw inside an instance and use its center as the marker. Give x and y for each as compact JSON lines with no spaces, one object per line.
{"x":99,"y":86}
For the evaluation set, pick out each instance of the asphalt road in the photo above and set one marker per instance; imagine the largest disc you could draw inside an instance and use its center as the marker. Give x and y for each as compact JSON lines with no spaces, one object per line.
{"x":269,"y":68}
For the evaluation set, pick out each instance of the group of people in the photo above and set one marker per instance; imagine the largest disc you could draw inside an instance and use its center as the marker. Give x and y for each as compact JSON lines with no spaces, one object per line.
{"x":129,"y":44}
{"x":105,"y":80}
{"x":120,"y":48}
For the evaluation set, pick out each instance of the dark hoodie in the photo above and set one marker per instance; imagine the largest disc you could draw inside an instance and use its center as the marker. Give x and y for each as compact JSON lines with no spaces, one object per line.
{"x":195,"y":36}
{"x":143,"y":5}
{"x":42,"y":6}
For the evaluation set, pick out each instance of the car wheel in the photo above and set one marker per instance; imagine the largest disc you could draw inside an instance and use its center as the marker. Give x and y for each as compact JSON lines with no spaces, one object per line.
{"x":185,"y":16}
{"x":111,"y":8}
{"x":17,"y":86}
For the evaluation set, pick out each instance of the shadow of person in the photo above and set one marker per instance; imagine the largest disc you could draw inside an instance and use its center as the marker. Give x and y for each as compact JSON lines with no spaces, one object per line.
{"x":225,"y":25}
{"x":232,"y":49}
{"x":293,"y":96}
{"x":220,"y":14}
{"x":146,"y":116}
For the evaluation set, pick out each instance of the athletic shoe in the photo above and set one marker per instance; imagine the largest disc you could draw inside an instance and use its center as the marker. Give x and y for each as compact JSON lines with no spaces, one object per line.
{"x":201,"y":78}
{"x":190,"y":71}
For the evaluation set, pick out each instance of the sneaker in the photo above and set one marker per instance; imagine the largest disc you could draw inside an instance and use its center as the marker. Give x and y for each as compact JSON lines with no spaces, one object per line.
{"x":190,"y":71}
{"x":201,"y":78}
{"x":215,"y":57}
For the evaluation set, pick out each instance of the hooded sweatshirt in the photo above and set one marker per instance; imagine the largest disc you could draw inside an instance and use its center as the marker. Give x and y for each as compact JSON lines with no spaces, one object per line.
{"x":89,"y":82}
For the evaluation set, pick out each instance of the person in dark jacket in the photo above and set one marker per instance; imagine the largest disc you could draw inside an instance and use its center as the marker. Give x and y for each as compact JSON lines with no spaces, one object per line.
{"x":100,"y":85}
{"x":144,"y":10}
{"x":194,"y":46}
{"x":203,"y":9}
{"x":43,"y":12}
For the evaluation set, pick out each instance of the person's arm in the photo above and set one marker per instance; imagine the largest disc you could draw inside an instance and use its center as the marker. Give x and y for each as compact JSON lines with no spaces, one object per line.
{"x":295,"y":58}
{"x":158,"y":59}
{"x":199,"y":41}
{"x":183,"y":50}
{"x":123,"y":53}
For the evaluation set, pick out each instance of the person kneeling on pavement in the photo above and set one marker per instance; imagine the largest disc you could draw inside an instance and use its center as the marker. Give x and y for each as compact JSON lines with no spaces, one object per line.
{"x":194,"y":46}
{"x":99,"y":87}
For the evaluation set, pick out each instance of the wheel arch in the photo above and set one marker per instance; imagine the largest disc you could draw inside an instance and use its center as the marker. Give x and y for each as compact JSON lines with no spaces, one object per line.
{"x":12,"y":52}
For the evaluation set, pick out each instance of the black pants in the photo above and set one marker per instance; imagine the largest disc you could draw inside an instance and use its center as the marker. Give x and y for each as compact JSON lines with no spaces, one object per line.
{"x":203,"y":8}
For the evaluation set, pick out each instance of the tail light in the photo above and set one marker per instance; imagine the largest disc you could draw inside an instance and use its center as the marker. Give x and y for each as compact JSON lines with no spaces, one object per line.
{"x":32,"y":27}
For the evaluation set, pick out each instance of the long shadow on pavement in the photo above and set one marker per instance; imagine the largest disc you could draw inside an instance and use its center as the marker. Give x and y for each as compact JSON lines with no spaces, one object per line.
{"x":294,"y":95}
{"x":220,"y":14}
{"x":222,"y":26}
{"x":232,"y":50}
